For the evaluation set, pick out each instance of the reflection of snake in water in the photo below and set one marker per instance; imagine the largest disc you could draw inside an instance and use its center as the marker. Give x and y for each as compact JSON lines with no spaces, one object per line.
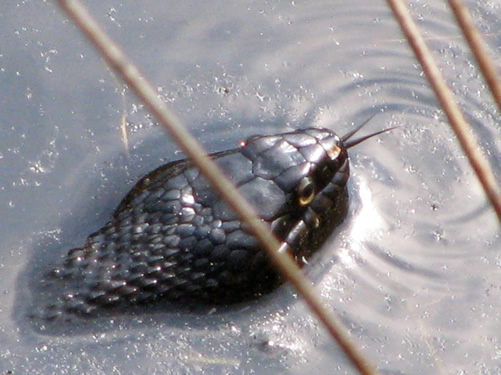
{"x":173,"y":237}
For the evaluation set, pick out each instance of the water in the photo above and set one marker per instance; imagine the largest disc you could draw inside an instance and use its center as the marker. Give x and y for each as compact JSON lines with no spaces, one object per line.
{"x":414,"y":270}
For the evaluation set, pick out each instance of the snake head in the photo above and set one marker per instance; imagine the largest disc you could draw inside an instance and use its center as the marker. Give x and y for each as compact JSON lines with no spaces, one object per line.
{"x":174,"y":238}
{"x":298,"y":186}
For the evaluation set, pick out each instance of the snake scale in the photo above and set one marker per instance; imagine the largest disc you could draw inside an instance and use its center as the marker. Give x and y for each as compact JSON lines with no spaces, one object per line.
{"x":173,"y":238}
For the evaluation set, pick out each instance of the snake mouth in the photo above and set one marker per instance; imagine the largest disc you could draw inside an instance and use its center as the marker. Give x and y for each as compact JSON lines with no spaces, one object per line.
{"x":299,"y":230}
{"x":299,"y":242}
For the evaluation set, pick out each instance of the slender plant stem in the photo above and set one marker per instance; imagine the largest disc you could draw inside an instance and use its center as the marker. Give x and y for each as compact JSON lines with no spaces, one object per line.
{"x":478,"y":47}
{"x":458,"y":123}
{"x":113,"y":55}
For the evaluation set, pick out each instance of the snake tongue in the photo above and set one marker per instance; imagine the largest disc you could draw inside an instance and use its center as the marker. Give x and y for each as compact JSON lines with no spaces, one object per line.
{"x":355,"y":142}
{"x":360,"y":140}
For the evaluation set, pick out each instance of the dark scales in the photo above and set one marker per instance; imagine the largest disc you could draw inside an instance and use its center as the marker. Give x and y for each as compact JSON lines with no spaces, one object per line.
{"x":173,"y":238}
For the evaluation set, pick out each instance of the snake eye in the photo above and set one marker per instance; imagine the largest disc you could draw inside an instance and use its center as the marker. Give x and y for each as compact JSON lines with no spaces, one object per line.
{"x":306,"y":191}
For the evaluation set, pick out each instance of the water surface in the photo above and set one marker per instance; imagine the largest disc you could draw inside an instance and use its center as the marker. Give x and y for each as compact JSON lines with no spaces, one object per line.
{"x":413,"y":272}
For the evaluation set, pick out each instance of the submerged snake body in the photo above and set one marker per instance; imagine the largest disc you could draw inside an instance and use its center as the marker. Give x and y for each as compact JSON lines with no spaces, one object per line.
{"x":173,"y":237}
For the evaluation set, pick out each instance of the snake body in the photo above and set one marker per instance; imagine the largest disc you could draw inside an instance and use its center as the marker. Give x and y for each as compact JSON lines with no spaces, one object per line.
{"x":173,"y":237}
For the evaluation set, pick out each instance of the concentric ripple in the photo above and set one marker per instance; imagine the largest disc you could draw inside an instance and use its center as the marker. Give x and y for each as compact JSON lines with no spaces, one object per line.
{"x":414,"y":272}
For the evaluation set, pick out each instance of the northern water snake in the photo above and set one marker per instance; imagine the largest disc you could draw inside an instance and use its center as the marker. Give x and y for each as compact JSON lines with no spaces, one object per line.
{"x":172,"y":237}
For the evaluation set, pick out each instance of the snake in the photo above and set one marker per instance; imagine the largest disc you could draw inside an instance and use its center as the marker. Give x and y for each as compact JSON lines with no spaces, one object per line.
{"x":173,"y":237}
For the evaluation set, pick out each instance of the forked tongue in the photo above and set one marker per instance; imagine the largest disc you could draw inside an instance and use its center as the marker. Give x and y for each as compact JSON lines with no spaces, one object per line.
{"x":355,"y":142}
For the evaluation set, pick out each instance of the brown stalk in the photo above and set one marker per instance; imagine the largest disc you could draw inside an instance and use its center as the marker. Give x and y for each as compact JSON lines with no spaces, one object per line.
{"x":113,"y":55}
{"x":457,"y":121}
{"x":478,"y":47}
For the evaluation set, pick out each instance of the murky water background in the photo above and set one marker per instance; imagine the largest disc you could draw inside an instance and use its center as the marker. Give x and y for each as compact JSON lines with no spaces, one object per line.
{"x":414,"y":271}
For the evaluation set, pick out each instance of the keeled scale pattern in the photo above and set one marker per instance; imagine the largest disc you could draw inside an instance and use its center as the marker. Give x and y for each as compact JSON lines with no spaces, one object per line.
{"x":172,"y":237}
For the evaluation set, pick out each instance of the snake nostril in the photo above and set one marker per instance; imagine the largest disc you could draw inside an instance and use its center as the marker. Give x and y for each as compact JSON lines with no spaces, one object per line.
{"x":334,"y":152}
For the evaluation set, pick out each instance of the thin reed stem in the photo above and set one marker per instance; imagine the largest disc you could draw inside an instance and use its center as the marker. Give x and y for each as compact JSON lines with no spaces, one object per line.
{"x":478,"y":47}
{"x":146,"y":92}
{"x":457,"y":121}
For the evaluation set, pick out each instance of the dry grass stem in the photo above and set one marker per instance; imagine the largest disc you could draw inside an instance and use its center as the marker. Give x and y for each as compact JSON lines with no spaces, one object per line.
{"x":458,"y":123}
{"x":478,"y":47}
{"x":145,"y":91}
